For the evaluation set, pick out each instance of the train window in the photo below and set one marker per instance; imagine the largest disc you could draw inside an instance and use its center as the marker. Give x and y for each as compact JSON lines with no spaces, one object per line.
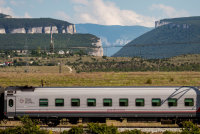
{"x":43,"y":102}
{"x":189,"y":102}
{"x":91,"y":102}
{"x":59,"y":102}
{"x":172,"y":102}
{"x":123,"y":102}
{"x":107,"y":102}
{"x":11,"y":103}
{"x":139,"y":102}
{"x":75,"y":102}
{"x":156,"y":102}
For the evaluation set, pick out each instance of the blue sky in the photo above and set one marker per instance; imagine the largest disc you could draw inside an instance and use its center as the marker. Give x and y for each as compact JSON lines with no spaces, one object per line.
{"x":105,"y":12}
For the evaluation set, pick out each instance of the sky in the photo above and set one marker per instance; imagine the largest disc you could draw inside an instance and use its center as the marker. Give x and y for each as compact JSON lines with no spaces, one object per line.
{"x":103,"y":12}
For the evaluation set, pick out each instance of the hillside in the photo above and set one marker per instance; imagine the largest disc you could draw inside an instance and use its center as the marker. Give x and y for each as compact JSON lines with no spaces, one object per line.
{"x":33,"y":41}
{"x":171,"y":37}
{"x":112,"y":36}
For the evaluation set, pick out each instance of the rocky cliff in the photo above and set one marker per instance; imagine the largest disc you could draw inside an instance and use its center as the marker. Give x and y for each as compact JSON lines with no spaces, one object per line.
{"x":35,"y":25}
{"x":45,"y":30}
{"x":98,"y":50}
{"x":171,"y":24}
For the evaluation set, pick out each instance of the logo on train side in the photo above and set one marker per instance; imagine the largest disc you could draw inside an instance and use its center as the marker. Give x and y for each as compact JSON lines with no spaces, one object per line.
{"x":26,"y":101}
{"x":21,"y":100}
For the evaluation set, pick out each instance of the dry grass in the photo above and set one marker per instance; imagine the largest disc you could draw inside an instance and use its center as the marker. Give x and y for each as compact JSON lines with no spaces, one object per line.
{"x":34,"y":69}
{"x":17,"y":77}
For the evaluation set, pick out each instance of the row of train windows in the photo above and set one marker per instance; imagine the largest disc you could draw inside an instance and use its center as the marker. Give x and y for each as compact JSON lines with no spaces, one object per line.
{"x":122,"y":102}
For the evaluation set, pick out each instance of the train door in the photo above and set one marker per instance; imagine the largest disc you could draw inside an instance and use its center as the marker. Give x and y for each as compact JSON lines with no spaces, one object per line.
{"x":11,"y":106}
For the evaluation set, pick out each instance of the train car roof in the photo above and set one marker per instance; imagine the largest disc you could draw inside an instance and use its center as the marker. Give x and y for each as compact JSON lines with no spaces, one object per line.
{"x":111,"y":90}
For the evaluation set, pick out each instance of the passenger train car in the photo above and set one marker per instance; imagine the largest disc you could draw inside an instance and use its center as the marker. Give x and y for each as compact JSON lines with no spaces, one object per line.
{"x":102,"y":102}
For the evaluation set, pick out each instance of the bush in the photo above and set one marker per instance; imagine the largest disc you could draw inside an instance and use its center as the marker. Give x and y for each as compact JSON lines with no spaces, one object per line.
{"x":170,"y":132}
{"x":135,"y":131}
{"x":29,"y":127}
{"x":171,"y":79}
{"x":95,"y":128}
{"x":74,"y":130}
{"x":149,"y":81}
{"x":190,"y":128}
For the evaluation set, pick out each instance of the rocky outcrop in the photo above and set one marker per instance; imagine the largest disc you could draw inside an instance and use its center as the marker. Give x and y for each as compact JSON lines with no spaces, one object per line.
{"x":54,"y":29}
{"x":161,"y":23}
{"x":8,"y":16}
{"x":2,"y":31}
{"x":171,"y":24}
{"x":34,"y":30}
{"x":71,"y":29}
{"x":46,"y":30}
{"x":18,"y":30}
{"x":98,"y":50}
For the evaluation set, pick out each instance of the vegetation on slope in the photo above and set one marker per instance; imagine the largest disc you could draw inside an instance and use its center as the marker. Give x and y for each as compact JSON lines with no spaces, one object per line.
{"x":107,"y":64}
{"x":195,"y":20}
{"x":33,"y":41}
{"x":166,"y":41}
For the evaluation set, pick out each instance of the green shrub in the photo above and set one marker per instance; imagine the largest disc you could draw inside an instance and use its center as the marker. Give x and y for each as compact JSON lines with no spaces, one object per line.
{"x":135,"y":131}
{"x":29,"y":127}
{"x":171,"y":79}
{"x":95,"y":128}
{"x":74,"y":130}
{"x":190,"y":128}
{"x":170,"y":132}
{"x":149,"y":81}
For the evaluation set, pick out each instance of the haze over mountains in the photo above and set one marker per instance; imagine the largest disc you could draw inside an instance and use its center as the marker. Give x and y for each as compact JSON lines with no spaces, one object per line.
{"x":113,"y":37}
{"x":171,"y":37}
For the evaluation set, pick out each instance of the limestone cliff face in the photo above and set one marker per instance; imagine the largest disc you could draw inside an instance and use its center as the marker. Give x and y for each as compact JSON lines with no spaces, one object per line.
{"x":45,"y":30}
{"x":18,"y":30}
{"x":160,"y":23}
{"x":2,"y":31}
{"x":98,"y":51}
{"x":54,"y":29}
{"x":34,"y":30}
{"x":71,"y":29}
{"x":171,"y":24}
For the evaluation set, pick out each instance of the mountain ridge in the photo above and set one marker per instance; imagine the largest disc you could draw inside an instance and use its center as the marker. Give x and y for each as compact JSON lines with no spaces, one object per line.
{"x":173,"y":37}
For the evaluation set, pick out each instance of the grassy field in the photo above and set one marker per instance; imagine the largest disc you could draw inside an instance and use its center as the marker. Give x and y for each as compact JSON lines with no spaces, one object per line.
{"x":33,"y":75}
{"x":34,"y":69}
{"x":18,"y":77}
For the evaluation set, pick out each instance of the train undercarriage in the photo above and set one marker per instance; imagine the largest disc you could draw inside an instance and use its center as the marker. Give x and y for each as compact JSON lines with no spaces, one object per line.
{"x":119,"y":122}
